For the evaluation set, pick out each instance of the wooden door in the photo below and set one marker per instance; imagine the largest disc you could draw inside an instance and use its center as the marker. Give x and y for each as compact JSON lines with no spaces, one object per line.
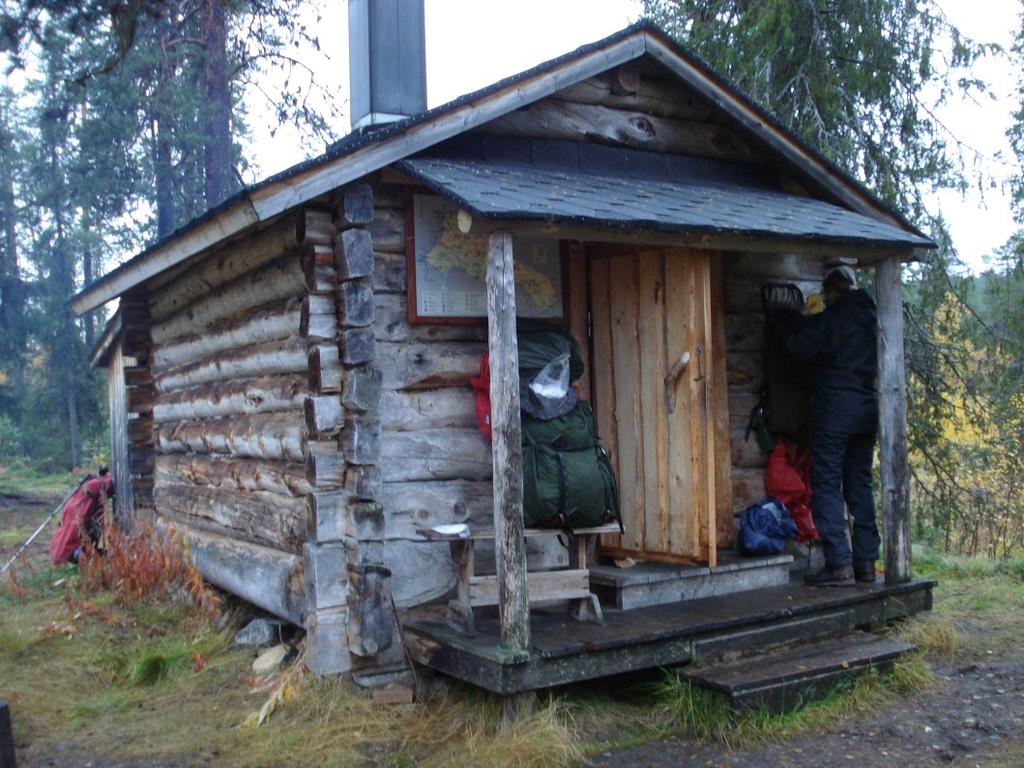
{"x":649,"y":308}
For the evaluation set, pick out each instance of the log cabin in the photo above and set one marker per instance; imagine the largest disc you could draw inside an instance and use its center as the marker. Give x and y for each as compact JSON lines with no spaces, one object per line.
{"x":288,"y":374}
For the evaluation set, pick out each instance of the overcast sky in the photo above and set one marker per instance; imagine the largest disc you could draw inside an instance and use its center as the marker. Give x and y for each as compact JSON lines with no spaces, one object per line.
{"x":472,"y":43}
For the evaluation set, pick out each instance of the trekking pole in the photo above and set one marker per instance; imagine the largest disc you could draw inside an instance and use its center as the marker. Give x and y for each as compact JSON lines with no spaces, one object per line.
{"x":38,"y":530}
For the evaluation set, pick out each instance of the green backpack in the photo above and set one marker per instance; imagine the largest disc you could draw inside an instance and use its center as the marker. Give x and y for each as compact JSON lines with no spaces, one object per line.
{"x":567,"y":478}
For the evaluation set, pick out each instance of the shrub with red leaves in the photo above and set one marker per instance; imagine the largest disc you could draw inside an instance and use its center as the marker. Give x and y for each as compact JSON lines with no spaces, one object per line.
{"x":145,"y":565}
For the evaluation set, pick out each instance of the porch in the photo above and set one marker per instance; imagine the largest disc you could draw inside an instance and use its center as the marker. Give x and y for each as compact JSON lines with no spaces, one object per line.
{"x":694,"y":632}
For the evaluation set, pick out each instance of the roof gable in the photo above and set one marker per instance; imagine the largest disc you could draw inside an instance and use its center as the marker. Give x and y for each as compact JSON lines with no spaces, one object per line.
{"x":365,"y":152}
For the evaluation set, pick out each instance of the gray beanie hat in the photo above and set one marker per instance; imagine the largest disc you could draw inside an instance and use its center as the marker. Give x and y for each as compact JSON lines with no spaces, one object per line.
{"x":840,"y":273}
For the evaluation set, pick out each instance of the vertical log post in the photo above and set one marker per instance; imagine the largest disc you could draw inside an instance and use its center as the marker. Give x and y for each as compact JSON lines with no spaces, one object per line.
{"x":892,"y":413}
{"x":506,"y":443}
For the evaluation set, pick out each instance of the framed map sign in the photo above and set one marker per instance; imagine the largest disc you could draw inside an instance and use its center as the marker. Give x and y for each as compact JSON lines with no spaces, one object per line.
{"x":447,"y":269}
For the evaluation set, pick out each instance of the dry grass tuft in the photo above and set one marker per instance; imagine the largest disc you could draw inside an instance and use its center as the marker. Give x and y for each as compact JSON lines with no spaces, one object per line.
{"x":937,"y":636}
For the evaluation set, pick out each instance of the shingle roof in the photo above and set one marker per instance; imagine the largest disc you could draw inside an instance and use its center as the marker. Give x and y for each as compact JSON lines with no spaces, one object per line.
{"x":494,"y":189}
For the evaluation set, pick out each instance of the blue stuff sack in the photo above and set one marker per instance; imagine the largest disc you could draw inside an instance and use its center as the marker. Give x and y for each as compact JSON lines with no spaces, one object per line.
{"x":764,"y":527}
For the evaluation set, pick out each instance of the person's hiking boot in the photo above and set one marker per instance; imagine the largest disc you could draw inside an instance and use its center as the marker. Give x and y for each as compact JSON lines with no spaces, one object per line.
{"x":864,"y":571}
{"x":840,"y":576}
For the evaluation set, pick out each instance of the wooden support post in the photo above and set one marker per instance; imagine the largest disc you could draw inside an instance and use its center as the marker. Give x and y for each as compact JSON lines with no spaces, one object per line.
{"x":892,"y":412}
{"x":506,"y":443}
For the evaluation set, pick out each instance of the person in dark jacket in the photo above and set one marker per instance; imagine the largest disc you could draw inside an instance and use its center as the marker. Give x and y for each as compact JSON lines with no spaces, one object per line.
{"x":840,"y":346}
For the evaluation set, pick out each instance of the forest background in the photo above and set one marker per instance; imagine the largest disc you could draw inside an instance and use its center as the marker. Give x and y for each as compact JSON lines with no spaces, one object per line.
{"x":121,"y":121}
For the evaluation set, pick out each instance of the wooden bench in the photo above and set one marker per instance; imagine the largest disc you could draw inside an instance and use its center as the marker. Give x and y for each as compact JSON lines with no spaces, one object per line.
{"x":572,"y":583}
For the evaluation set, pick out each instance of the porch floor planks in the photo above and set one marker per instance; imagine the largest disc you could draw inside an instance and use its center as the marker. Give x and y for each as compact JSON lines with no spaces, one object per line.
{"x":564,"y":651}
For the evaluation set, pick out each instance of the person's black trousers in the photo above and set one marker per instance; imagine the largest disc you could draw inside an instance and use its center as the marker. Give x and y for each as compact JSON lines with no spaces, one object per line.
{"x":841,"y":471}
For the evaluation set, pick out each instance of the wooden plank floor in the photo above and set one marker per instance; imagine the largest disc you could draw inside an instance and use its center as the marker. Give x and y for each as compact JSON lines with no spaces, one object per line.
{"x":564,"y":651}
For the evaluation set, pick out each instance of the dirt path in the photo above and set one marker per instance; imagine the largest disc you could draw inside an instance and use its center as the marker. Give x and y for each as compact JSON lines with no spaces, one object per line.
{"x":973,"y":716}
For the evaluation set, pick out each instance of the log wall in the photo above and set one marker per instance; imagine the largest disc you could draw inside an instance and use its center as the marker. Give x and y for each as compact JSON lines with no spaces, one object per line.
{"x":632,"y":107}
{"x":231,"y":395}
{"x":744,"y":274}
{"x":436,"y":466}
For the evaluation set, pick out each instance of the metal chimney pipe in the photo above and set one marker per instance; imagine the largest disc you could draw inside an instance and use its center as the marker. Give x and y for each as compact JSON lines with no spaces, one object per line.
{"x":387,"y":61}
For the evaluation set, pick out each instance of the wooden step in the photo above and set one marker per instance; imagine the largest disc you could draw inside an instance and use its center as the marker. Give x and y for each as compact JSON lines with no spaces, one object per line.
{"x":783,"y":680}
{"x":648,"y":583}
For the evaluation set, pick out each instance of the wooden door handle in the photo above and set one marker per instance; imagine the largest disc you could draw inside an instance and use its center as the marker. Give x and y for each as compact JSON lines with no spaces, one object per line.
{"x":672,"y":377}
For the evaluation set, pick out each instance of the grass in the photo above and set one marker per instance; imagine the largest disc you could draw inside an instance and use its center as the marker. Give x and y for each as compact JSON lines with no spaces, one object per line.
{"x":16,"y":477}
{"x":152,"y":679}
{"x":706,"y":716}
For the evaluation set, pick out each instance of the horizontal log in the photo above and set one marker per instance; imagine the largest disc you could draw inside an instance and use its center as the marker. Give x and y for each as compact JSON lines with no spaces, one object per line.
{"x":429,"y":366}
{"x":355,"y":303}
{"x":232,"y":398}
{"x":420,"y":571}
{"x":776,"y":266}
{"x":267,"y":577}
{"x":356,"y":208}
{"x":274,"y":322}
{"x":140,"y":429}
{"x":360,"y":439}
{"x":388,"y":194}
{"x":747,"y":487}
{"x":280,"y":279}
{"x":271,"y":357}
{"x":353,"y":254}
{"x":138,"y":377}
{"x":140,"y":461}
{"x":441,"y":454}
{"x":317,"y":227}
{"x":259,"y":517}
{"x":644,"y":94}
{"x":324,"y":416}
{"x":357,"y":346}
{"x":327,"y":582}
{"x":260,"y":436}
{"x":335,"y":516}
{"x":553,"y":119}
{"x":389,"y":272}
{"x":412,"y":505}
{"x":361,"y":390}
{"x":740,"y":406}
{"x":408,"y":411}
{"x":140,"y":399}
{"x":388,"y":230}
{"x":318,"y":318}
{"x":325,"y":464}
{"x":364,"y":482}
{"x":746,"y":454}
{"x":743,"y":371}
{"x":230,"y":262}
{"x":323,"y":365}
{"x":744,"y":331}
{"x":318,"y":269}
{"x":391,"y":323}
{"x":285,"y":478}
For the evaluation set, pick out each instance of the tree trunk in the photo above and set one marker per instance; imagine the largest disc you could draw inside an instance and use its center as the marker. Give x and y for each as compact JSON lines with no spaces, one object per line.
{"x":164,"y":178}
{"x":12,"y":295}
{"x":217,"y":129}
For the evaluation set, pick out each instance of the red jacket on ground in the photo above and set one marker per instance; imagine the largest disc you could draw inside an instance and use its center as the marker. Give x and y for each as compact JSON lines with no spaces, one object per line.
{"x":79,"y":510}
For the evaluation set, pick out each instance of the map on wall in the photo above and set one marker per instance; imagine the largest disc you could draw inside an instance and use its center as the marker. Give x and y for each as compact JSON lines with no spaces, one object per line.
{"x":451,"y":267}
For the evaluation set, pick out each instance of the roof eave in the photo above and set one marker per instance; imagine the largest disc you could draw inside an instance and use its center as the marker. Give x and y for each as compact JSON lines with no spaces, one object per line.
{"x":165,"y":255}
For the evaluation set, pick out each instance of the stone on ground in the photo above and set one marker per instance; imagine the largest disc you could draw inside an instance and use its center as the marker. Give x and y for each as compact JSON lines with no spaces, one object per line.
{"x":259,"y":633}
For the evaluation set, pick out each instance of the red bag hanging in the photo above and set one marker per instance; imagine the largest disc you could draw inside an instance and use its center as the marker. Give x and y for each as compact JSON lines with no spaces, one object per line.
{"x":482,"y":387}
{"x":788,"y":478}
